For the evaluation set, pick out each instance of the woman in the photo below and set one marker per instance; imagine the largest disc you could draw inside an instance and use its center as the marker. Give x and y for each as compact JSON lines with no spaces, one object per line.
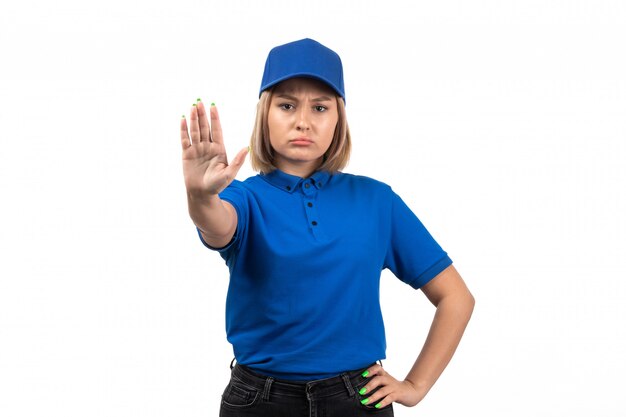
{"x":305,"y":245}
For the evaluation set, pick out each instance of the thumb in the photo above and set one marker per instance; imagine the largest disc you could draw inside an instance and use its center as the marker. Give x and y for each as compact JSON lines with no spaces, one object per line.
{"x":237,"y":162}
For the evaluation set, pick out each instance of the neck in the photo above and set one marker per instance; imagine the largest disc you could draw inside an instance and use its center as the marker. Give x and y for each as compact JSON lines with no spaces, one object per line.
{"x":302,"y":170}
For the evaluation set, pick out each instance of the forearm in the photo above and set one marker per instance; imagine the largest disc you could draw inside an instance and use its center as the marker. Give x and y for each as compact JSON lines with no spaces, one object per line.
{"x":216,"y":219}
{"x":451,"y":318}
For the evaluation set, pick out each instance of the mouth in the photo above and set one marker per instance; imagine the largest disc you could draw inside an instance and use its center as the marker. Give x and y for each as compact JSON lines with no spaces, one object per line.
{"x":301,"y":141}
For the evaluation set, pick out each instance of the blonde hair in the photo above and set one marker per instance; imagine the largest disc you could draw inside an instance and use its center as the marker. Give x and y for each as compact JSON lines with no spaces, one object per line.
{"x":262,"y":154}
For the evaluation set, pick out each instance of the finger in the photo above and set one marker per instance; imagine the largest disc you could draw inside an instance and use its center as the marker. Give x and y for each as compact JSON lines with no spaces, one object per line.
{"x":216,"y":126}
{"x":205,"y":130}
{"x":380,"y":396}
{"x":184,"y":134}
{"x":373,"y":371}
{"x":194,"y":127}
{"x":236,"y":163}
{"x":372,"y":384}
{"x":382,"y":403}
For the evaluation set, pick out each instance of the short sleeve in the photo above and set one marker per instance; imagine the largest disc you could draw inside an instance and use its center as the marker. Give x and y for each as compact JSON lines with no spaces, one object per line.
{"x":235,"y":194}
{"x":412,"y":254}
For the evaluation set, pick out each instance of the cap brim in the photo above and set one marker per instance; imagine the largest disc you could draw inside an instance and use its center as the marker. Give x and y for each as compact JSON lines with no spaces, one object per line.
{"x":306,"y":75}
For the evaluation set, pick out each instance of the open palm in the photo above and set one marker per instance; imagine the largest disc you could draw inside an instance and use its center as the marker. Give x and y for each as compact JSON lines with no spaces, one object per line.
{"x":205,"y":164}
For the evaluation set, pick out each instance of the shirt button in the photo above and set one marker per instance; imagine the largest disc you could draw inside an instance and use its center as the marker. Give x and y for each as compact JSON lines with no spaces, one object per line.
{"x":314,"y":223}
{"x":307,"y":185}
{"x":309,"y":204}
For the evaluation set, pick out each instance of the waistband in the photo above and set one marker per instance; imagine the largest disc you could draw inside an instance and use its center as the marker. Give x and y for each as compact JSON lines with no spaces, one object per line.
{"x":319,"y":388}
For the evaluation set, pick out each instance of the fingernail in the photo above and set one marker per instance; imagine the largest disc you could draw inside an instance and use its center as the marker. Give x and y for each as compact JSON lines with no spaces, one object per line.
{"x":194,"y":104}
{"x":365,"y":401}
{"x":377,"y":405}
{"x":212,"y":104}
{"x":183,"y":116}
{"x":198,"y":100}
{"x":363,"y":391}
{"x":365,"y":374}
{"x":248,"y":149}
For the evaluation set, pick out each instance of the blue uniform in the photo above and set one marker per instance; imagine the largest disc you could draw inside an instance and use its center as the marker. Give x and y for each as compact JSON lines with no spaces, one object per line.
{"x":305,"y":265}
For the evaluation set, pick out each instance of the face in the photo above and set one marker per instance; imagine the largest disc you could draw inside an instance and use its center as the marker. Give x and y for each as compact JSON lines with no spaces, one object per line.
{"x":302,"y":119}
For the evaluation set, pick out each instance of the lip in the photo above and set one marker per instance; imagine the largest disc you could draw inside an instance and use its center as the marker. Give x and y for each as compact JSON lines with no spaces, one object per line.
{"x":301,"y":141}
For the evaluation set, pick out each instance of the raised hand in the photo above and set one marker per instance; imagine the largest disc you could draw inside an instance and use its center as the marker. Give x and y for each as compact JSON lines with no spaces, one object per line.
{"x":205,"y":165}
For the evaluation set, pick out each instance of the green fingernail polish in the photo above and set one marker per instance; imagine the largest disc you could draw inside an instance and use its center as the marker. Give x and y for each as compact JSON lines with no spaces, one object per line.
{"x":183,"y":116}
{"x":363,"y":391}
{"x":194,"y":104}
{"x":365,"y":374}
{"x":212,"y":104}
{"x":377,"y":405}
{"x":365,"y":401}
{"x":198,"y":99}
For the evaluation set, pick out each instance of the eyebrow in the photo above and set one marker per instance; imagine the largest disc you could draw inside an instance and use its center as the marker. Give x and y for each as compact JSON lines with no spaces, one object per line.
{"x":293,"y":98}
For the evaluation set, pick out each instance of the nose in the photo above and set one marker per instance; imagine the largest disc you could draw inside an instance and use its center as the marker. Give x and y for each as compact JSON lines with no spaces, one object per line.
{"x":302,"y":121}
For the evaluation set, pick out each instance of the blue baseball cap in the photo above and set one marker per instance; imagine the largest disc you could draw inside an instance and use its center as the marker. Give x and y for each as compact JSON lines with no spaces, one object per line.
{"x":303,"y":58}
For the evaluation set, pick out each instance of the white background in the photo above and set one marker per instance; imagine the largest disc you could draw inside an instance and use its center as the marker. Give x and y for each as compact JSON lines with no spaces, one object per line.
{"x":501,"y":123}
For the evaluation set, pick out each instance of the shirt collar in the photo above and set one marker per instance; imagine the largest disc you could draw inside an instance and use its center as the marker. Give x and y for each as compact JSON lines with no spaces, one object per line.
{"x":289,"y":183}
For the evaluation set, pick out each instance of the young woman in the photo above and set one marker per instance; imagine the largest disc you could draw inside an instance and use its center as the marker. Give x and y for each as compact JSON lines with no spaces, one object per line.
{"x":305,"y":245}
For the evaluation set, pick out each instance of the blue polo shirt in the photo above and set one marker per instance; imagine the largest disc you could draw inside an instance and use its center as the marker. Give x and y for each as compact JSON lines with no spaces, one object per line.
{"x":305,"y":265}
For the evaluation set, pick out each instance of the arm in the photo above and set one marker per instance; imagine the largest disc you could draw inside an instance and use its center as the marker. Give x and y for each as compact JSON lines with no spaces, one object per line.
{"x":454,"y":304}
{"x":215,"y":218}
{"x":207,"y":172}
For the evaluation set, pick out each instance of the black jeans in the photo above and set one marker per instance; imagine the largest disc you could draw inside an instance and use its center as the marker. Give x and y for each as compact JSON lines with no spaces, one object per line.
{"x":249,"y":394}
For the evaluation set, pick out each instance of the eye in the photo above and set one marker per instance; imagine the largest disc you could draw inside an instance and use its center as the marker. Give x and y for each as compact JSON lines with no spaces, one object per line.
{"x":286,"y":106}
{"x":320,"y":108}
